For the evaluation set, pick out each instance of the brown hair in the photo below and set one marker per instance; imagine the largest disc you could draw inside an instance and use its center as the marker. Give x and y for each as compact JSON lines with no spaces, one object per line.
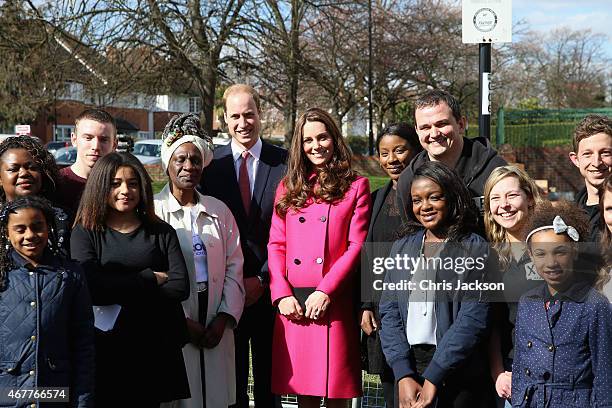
{"x":241,"y":88}
{"x":545,"y":212}
{"x":93,"y":208}
{"x":589,"y":126}
{"x":606,"y":236}
{"x":434,"y":97}
{"x":332,"y":181}
{"x":498,"y":236}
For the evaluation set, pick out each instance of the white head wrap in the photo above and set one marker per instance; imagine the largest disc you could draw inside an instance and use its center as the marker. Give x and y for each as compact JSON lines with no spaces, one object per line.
{"x":181,"y":129}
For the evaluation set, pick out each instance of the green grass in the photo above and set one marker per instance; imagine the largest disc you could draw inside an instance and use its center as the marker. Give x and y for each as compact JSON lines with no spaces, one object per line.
{"x":375,"y":183}
{"x":158,"y":185}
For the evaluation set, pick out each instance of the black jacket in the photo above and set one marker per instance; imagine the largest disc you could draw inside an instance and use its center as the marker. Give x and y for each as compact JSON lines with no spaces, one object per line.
{"x":46,"y":330}
{"x":219,"y":180}
{"x":593,"y":214}
{"x":476,"y":163}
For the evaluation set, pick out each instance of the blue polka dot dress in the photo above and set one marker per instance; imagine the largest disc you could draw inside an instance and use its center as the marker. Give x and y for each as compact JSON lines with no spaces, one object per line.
{"x":563,"y":349}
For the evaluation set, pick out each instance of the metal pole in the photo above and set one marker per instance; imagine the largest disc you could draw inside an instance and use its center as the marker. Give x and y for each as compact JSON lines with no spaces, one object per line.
{"x":370,"y":114}
{"x":484,"y":103}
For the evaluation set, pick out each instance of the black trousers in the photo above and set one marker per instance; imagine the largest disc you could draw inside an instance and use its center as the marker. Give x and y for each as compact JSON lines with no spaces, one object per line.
{"x":255,"y":327}
{"x":459,"y":391}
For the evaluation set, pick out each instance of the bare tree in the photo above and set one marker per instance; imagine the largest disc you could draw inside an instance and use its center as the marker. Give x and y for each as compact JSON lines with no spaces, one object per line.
{"x":560,"y":69}
{"x":148,"y":39}
{"x":335,"y":58}
{"x":34,"y":66}
{"x":275,"y":32}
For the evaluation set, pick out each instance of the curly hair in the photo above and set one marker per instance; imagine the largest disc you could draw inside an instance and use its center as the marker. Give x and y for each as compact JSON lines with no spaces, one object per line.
{"x":39,"y":203}
{"x":41,"y":156}
{"x":545,"y":212}
{"x":589,"y":126}
{"x":498,"y":236}
{"x":331,"y":182}
{"x":462,"y":213}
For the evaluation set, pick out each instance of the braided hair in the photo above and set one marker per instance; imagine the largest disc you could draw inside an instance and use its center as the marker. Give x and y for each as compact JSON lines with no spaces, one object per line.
{"x":39,"y":203}
{"x":41,"y":156}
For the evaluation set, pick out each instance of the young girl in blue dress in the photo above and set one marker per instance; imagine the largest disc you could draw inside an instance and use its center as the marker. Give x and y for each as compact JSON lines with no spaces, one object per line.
{"x":563,"y":328}
{"x":46,"y":319}
{"x":434,"y":342}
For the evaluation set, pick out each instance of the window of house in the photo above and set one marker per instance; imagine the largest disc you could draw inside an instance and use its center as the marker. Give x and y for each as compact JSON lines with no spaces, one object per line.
{"x":63,"y":132}
{"x":195,"y":104}
{"x":72,"y":91}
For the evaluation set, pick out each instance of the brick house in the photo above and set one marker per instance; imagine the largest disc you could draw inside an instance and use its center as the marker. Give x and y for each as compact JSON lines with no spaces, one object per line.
{"x":138,"y":114}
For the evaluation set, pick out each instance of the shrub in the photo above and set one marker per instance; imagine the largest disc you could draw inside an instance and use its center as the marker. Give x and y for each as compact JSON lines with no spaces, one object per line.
{"x":358,"y":144}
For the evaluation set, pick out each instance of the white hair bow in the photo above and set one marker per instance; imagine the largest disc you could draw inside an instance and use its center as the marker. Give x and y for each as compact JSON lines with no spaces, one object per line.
{"x":559,"y":226}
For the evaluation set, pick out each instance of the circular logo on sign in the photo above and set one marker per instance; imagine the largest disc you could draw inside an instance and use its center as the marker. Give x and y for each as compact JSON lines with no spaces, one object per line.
{"x":485,"y":20}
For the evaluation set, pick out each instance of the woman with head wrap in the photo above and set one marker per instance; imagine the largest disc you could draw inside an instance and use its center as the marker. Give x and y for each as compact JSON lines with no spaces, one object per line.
{"x":210,"y":243}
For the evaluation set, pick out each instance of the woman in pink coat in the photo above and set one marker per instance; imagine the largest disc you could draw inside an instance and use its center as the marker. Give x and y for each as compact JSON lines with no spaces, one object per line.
{"x":318,"y":227}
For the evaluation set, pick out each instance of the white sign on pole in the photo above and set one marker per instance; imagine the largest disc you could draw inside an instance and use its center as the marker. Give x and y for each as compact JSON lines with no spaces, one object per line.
{"x":486,"y":93}
{"x":486,"y":21}
{"x":22,"y":129}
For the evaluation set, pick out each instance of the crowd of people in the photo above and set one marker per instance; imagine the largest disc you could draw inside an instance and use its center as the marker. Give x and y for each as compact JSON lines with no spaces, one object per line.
{"x":252,"y":257}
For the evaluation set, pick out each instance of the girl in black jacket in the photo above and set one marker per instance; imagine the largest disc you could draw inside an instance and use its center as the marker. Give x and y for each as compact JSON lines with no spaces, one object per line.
{"x":46,"y":320}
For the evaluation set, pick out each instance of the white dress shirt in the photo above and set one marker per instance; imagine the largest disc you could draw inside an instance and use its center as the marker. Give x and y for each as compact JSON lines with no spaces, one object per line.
{"x":252,"y":160}
{"x":421,"y":323}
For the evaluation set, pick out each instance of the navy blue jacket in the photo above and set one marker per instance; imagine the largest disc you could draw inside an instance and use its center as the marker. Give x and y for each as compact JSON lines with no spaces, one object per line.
{"x":46,"y":330}
{"x":462,"y":318}
{"x":563,"y":356}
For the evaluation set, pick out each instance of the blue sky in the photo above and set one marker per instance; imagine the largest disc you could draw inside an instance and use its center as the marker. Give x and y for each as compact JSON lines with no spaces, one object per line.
{"x":545,"y":15}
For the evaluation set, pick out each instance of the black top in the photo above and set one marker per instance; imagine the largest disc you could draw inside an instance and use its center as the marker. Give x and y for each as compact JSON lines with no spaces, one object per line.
{"x":475,"y":164}
{"x":388,"y":221}
{"x":593,"y":214}
{"x":219,"y":180}
{"x":519,"y":278}
{"x":142,"y":354}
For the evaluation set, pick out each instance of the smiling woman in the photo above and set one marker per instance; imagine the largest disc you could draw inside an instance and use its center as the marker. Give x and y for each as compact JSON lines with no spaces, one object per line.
{"x":28,"y":169}
{"x":319,"y":224}
{"x":209,"y":239}
{"x":132,"y":260}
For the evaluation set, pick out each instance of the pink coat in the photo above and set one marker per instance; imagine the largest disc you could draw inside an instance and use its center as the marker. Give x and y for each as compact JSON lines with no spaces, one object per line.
{"x":319,"y":246}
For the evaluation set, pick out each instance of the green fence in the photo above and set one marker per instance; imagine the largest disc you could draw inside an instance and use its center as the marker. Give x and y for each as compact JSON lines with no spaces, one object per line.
{"x":536,"y":128}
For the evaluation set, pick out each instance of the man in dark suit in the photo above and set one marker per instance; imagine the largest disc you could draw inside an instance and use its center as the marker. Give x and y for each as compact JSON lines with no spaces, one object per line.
{"x":244,"y":175}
